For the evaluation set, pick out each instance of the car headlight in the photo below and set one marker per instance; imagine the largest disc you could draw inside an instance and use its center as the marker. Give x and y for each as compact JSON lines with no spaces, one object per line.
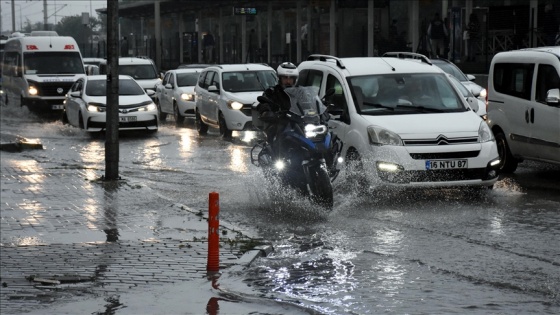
{"x":148,"y":108}
{"x":187,"y":97}
{"x":382,"y":136}
{"x":32,"y":90}
{"x":95,"y":108}
{"x":485,"y":133}
{"x":235,"y":105}
{"x":482,"y":93}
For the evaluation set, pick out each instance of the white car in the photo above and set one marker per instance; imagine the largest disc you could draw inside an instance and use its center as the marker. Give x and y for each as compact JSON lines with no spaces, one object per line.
{"x":143,"y":70}
{"x":402,"y":123}
{"x":224,"y":96}
{"x":86,"y":105}
{"x":175,"y":95}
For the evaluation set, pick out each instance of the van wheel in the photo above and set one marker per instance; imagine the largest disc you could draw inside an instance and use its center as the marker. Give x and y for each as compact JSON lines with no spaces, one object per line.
{"x":508,"y":163}
{"x":224,"y":131}
{"x":355,"y":171}
{"x":201,"y":127}
{"x":178,"y":118}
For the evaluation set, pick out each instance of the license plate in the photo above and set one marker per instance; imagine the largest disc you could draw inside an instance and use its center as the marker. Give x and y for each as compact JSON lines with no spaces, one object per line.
{"x":57,"y":107}
{"x":446,"y":164}
{"x":127,"y":118}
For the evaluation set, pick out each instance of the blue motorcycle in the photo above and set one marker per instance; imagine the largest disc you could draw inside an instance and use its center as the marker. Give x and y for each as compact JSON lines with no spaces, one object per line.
{"x":304,"y":153}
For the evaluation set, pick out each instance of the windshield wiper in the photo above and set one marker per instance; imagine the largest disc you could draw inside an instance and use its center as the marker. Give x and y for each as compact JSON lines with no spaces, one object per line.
{"x":379,"y":105}
{"x":422,"y":109}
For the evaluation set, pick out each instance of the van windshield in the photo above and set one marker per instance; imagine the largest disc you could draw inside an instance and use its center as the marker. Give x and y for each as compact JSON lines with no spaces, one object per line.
{"x":53,"y":62}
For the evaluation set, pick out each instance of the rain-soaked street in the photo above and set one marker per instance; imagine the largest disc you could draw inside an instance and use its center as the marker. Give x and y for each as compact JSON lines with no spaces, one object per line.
{"x":396,"y":252}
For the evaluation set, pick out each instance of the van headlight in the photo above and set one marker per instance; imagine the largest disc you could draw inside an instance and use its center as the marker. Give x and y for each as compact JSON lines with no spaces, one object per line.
{"x":382,"y":136}
{"x":235,"y":105}
{"x":187,"y":97}
{"x":32,"y":91}
{"x":485,"y":133}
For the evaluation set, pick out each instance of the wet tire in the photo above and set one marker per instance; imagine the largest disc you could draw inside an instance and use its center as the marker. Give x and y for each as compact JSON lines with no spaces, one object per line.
{"x":508,"y":163}
{"x":162,"y":115}
{"x":201,"y":127}
{"x":224,"y":131}
{"x":320,"y":186}
{"x":179,"y":120}
{"x":81,"y":121}
{"x":355,"y":171}
{"x":64,"y":118}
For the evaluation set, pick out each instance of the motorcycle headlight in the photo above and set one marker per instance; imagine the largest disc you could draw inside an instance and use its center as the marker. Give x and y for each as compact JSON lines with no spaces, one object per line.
{"x":485,"y":133}
{"x":235,"y":105}
{"x":147,"y":108}
{"x":32,"y":90}
{"x":312,"y":131}
{"x":187,"y":97}
{"x":382,"y":136}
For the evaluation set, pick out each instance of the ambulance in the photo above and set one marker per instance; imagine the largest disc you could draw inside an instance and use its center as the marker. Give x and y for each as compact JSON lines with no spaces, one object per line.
{"x":38,"y":71}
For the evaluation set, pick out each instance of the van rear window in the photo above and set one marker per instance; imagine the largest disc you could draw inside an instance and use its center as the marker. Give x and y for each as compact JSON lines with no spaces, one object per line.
{"x":514,"y":79}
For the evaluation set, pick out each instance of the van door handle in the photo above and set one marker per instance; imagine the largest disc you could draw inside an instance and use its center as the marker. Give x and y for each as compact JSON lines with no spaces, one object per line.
{"x":527,"y":116}
{"x":532,"y":115}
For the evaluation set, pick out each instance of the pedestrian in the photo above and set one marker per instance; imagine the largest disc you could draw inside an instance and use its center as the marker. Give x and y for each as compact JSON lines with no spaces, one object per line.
{"x":209,"y":43}
{"x":473,"y":31}
{"x":437,"y":33}
{"x":550,"y":25}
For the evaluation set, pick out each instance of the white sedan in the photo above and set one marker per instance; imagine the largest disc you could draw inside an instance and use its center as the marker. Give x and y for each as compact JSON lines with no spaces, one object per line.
{"x":86,"y":105}
{"x":175,"y":95}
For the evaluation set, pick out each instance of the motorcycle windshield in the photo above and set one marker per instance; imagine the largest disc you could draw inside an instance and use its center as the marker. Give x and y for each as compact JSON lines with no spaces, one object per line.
{"x":305,"y":102}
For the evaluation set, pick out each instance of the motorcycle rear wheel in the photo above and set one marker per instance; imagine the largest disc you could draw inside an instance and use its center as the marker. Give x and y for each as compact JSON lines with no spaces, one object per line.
{"x":320,"y":186}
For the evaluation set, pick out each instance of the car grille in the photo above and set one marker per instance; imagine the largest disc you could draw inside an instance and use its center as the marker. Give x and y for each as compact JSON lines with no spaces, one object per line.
{"x":440,"y":140}
{"x":445,"y":155}
{"x":51,"y":88}
{"x":433,"y":176}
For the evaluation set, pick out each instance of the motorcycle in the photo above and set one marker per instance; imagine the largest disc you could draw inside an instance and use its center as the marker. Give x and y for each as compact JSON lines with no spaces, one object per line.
{"x":304,"y":154}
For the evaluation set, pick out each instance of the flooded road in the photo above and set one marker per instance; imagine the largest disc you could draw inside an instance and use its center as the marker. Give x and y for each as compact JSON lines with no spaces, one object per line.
{"x":420,"y":252}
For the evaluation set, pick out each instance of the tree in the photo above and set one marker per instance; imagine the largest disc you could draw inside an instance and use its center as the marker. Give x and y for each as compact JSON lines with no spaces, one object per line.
{"x":72,"y":26}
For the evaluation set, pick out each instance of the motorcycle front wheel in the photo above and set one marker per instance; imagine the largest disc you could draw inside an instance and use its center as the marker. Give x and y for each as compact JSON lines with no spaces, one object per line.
{"x":320,"y":186}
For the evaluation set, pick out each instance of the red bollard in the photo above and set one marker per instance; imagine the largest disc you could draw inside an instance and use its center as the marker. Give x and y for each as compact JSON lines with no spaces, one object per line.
{"x":213,"y":263}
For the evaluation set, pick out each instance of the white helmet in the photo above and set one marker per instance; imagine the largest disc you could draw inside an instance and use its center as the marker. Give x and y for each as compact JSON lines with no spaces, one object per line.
{"x":287,"y":69}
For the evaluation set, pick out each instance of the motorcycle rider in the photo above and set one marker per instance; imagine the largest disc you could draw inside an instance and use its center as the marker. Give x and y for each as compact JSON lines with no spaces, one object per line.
{"x":287,"y":76}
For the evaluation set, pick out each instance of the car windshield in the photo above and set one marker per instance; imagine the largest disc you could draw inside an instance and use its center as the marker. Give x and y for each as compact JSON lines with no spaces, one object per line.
{"x":393,"y":94}
{"x":248,"y":81}
{"x":126,"y":87}
{"x":53,"y":62}
{"x":187,"y":79}
{"x":453,"y":70}
{"x":139,"y":72}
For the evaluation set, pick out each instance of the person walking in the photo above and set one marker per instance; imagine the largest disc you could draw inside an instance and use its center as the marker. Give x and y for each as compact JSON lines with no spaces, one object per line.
{"x":437,"y":32}
{"x":473,"y":31}
{"x":550,"y":25}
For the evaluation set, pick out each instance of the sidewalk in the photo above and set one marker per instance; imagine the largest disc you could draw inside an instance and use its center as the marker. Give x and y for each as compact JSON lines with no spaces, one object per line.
{"x":71,"y":244}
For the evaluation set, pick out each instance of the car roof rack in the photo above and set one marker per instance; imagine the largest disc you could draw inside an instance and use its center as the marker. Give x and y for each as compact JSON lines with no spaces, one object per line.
{"x":325,"y":58}
{"x":407,"y":55}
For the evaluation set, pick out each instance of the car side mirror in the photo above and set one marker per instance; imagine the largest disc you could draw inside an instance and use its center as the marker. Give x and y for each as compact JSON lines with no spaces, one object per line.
{"x":75,"y":93}
{"x":168,"y":86}
{"x":150,"y":92}
{"x":471,"y":77}
{"x":473,"y":103}
{"x":214,"y":89}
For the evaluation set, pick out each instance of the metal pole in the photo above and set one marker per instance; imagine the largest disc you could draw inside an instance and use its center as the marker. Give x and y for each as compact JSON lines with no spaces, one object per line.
{"x":112,"y":134}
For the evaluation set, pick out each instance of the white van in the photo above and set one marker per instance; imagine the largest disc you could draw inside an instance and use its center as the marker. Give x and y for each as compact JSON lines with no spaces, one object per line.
{"x":37,"y":71}
{"x":524,"y":105}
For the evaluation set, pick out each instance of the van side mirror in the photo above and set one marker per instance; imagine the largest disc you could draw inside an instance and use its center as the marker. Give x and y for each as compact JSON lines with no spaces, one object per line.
{"x":213,"y":89}
{"x":553,"y":97}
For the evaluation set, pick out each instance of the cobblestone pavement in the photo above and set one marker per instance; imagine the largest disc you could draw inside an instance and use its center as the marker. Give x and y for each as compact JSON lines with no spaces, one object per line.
{"x":64,"y":234}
